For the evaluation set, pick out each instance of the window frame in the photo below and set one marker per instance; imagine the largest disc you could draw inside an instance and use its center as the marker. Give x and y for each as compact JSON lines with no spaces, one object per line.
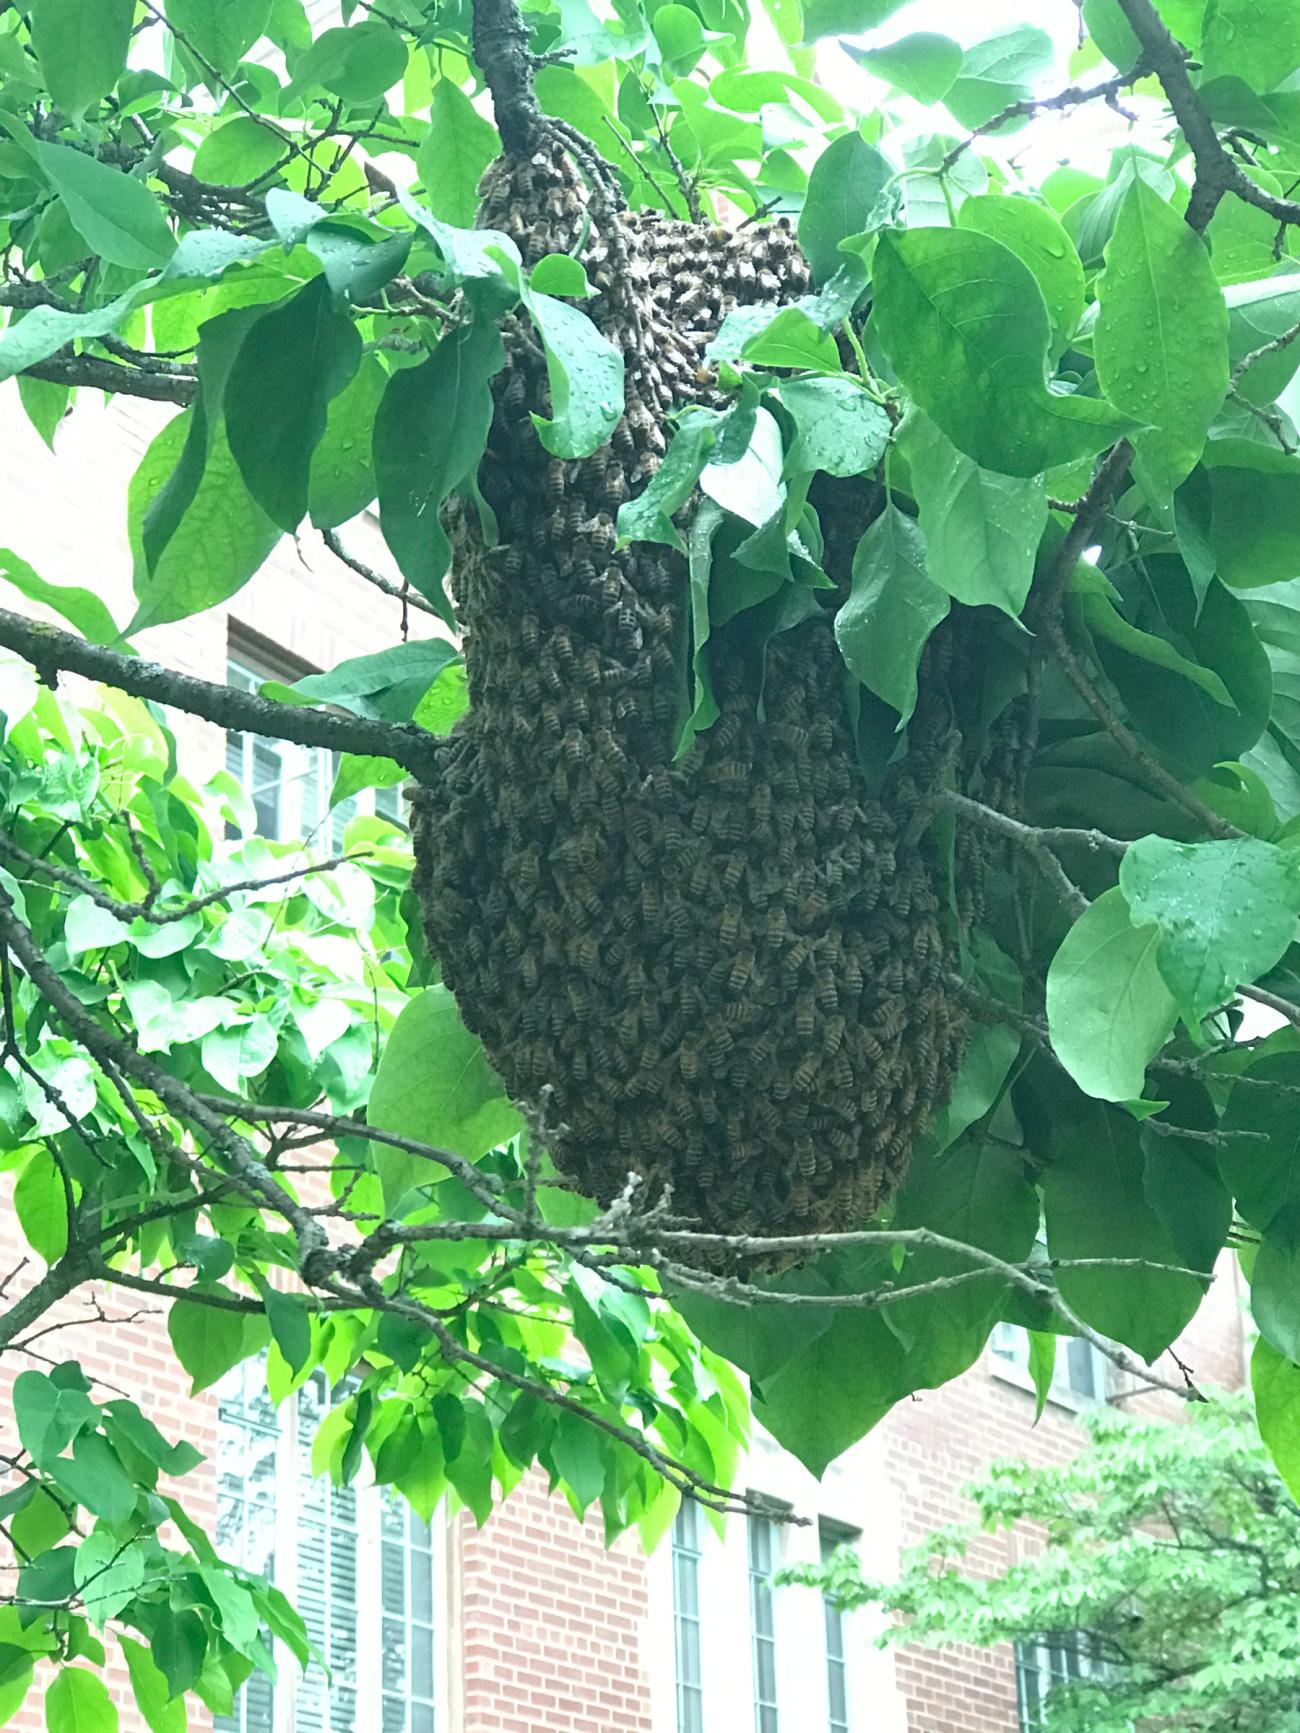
{"x":762,"y":1561}
{"x":1008,"y":1357}
{"x":302,"y":767}
{"x":687,"y":1550}
{"x":1034,"y":1659}
{"x":830,"y":1537}
{"x":289,"y":1502}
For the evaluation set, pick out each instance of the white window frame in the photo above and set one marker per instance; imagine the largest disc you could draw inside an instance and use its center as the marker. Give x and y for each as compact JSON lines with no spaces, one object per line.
{"x":858,"y":1500}
{"x":1047,"y":1660}
{"x":830,"y":1537}
{"x":301,"y":766}
{"x":1008,"y":1359}
{"x":369,"y":1511}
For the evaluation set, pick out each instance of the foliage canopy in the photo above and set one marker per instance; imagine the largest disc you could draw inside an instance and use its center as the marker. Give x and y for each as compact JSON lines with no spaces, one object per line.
{"x":1066,"y":404}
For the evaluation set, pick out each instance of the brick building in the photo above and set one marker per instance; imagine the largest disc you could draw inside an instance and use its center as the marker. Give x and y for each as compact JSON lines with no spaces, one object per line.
{"x":529,"y":1625}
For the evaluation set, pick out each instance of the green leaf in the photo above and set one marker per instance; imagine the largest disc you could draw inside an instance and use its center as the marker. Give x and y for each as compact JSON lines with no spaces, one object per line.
{"x":81,"y":48}
{"x":386,"y":686}
{"x":430,"y":431}
{"x":162,"y":1712}
{"x":41,"y":1205}
{"x":585,"y":372}
{"x":88,"y":927}
{"x":981,"y":528}
{"x":997,"y":72}
{"x":1226,"y":912}
{"x":1275,"y":1286}
{"x":921,"y":65}
{"x":45,"y":404}
{"x":1255,"y":512}
{"x":1161,"y":342}
{"x":750,"y":486}
{"x":830,"y":1395}
{"x":233,"y":1055}
{"x":124,"y":1417}
{"x":222,"y":31}
{"x":838,"y":428}
{"x":178,"y":1647}
{"x":295,"y":359}
{"x":342,"y":469}
{"x":844,"y":17}
{"x":1038,"y":238}
{"x":1042,"y":1367}
{"x":701,"y":705}
{"x":1096,"y":597}
{"x":843,"y":189}
{"x":579,"y":1454}
{"x":649,"y":517}
{"x":116,"y":215}
{"x":891,"y":610}
{"x":1095,"y":1206}
{"x":82,"y":609}
{"x":359,"y":64}
{"x":561,"y":274}
{"x":1257,"y":314}
{"x":222,"y":539}
{"x":1254,"y":40}
{"x":1263,"y":1172}
{"x":457,"y":146}
{"x":1108,"y":1008}
{"x":290,"y":1321}
{"x":78,"y":1702}
{"x":967,"y":329}
{"x":680,"y":36}
{"x":95,"y":1478}
{"x":1275,"y":1381}
{"x":49,"y":1416}
{"x":210,"y":1339}
{"x":434,"y":1084}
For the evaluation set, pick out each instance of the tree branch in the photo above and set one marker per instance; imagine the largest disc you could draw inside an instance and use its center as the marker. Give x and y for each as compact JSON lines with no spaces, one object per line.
{"x":501,"y":48}
{"x":1074,"y":96}
{"x":1216,"y":172}
{"x":52,"y":651}
{"x":100,"y":375}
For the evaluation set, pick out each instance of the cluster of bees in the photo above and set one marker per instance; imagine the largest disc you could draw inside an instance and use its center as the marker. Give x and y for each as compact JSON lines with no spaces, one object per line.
{"x":728,"y":968}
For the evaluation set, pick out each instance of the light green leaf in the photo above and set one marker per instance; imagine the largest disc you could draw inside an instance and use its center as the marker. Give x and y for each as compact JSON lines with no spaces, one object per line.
{"x":1042,"y":1367}
{"x":456,"y":148}
{"x":1161,"y":343}
{"x":434,"y":1084}
{"x":1254,"y":40}
{"x":997,"y":72}
{"x":88,"y":926}
{"x":222,"y":538}
{"x":844,"y":17}
{"x":342,"y":468}
{"x":1037,"y":237}
{"x":78,"y":1702}
{"x":41,"y":1205}
{"x":838,"y":428}
{"x":967,"y":329}
{"x":921,"y":65}
{"x":210,"y":1339}
{"x":222,"y":31}
{"x":81,"y":48}
{"x":359,"y":64}
{"x":233,"y":1055}
{"x":1275,"y":1381}
{"x":750,"y":487}
{"x":649,"y":517}
{"x":891,"y":610}
{"x":585,"y":371}
{"x":1108,"y":1008}
{"x":83,"y":609}
{"x":387,"y":685}
{"x":702,"y":705}
{"x":115,"y":214}
{"x":1226,"y":912}
{"x":162,"y":1712}
{"x":981,"y":528}
{"x":843,"y":189}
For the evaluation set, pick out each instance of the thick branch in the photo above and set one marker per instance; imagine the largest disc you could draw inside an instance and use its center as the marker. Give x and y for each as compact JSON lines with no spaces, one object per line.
{"x":100,"y":375}
{"x":1216,"y":172}
{"x":501,"y":49}
{"x":52,"y":651}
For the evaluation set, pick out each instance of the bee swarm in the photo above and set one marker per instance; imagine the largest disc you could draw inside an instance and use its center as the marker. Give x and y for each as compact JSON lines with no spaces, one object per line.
{"x":728,"y":968}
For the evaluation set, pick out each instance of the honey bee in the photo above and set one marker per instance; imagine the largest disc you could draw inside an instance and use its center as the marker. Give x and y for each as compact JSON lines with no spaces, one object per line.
{"x":741,"y":969}
{"x":805,"y":1021}
{"x":555,"y":480}
{"x":529,"y":632}
{"x":688,"y":1061}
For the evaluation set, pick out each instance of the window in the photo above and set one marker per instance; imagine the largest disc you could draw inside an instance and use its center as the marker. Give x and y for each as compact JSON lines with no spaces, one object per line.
{"x":762,"y":1621}
{"x":1056,"y":1659}
{"x":837,"y":1673}
{"x":686,"y":1619}
{"x":357,"y":1563}
{"x":1078,"y":1377}
{"x":290,"y":785}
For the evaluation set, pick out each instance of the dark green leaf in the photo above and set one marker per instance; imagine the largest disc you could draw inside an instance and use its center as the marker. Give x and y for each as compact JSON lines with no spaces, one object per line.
{"x":116,"y":215}
{"x":178,"y":1646}
{"x":430,"y":431}
{"x":95,"y":1478}
{"x":649,"y":517}
{"x":291,"y":364}
{"x":162,"y":1712}
{"x":48,"y":1415}
{"x":1263,"y":1173}
{"x":1255,"y":521}
{"x":967,"y":329}
{"x":892,"y":608}
{"x":342,"y":469}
